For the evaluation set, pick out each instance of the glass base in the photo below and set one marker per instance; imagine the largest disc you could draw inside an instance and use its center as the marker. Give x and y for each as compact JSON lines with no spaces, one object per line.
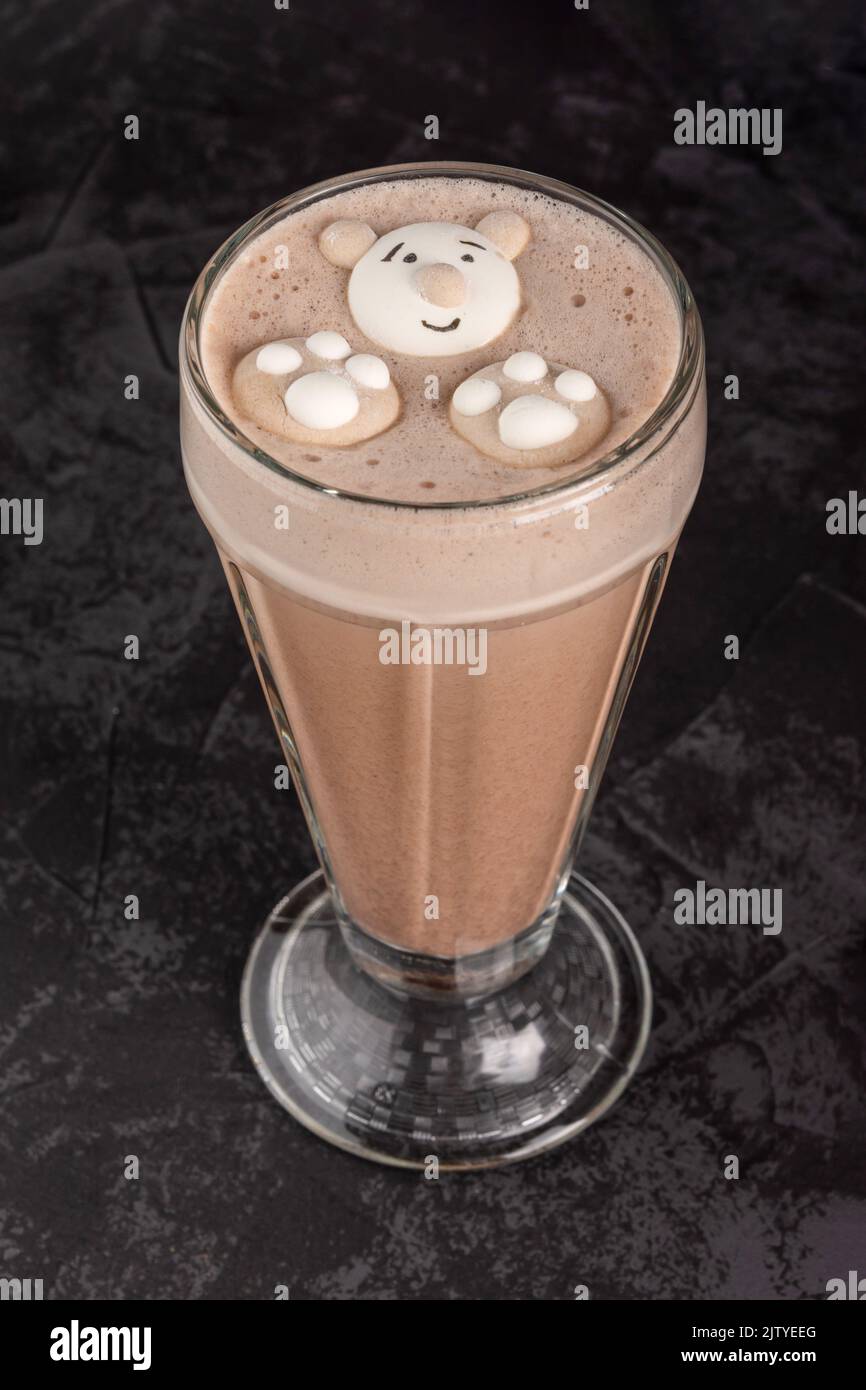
{"x":470,"y":1084}
{"x":450,"y":980}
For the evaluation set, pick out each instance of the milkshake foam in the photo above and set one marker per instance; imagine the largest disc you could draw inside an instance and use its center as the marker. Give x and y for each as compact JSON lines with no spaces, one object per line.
{"x":615,"y":320}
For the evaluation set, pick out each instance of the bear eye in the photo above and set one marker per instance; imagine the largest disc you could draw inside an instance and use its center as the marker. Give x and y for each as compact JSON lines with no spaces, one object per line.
{"x":411,"y":257}
{"x":467,"y":257}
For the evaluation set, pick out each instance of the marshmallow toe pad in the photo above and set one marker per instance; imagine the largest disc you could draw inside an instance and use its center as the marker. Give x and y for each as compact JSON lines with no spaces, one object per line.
{"x":316,"y":391}
{"x":530,"y":413}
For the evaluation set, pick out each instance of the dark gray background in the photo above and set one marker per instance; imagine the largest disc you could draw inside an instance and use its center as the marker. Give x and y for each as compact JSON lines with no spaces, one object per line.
{"x":156,"y":777}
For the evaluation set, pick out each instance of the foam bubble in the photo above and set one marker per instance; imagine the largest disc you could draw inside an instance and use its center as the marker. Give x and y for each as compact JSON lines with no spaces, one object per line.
{"x":507,"y":230}
{"x":368,"y":370}
{"x":476,"y":395}
{"x":278,"y":359}
{"x":441,"y":284}
{"x":525,"y":366}
{"x":322,"y":401}
{"x":576,"y":386}
{"x":535,"y":422}
{"x":344,"y":242}
{"x":332,"y":346}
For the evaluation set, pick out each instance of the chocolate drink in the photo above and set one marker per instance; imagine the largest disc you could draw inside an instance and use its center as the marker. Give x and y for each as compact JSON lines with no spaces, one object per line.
{"x":357,"y":516}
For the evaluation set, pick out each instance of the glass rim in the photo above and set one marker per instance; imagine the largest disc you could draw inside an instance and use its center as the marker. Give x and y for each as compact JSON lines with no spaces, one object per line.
{"x":662,"y":421}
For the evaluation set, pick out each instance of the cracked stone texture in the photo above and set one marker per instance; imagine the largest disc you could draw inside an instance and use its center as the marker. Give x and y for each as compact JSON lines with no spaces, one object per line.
{"x":156,"y":777}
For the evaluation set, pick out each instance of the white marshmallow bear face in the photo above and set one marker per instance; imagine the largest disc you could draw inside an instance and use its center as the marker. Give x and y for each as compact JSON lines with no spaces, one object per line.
{"x":431,"y":289}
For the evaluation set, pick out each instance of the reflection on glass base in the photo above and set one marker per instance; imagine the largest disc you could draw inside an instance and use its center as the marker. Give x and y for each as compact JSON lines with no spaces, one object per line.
{"x":470,"y":1084}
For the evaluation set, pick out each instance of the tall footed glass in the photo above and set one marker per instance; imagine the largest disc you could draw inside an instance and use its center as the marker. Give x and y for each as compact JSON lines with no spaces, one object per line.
{"x":446,"y":681}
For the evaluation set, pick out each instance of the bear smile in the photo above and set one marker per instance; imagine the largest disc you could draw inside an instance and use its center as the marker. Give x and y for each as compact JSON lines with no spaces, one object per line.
{"x":442,"y":328}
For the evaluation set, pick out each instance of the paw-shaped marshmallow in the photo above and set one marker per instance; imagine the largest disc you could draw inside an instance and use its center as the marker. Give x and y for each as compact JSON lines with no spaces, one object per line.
{"x":431,"y":289}
{"x":530,"y":413}
{"x":316,"y":390}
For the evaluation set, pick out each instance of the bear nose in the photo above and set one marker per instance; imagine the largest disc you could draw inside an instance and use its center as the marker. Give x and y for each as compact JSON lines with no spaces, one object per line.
{"x":441,"y":284}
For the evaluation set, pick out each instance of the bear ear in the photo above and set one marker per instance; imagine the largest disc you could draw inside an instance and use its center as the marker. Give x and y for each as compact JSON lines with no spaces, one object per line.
{"x":344,"y":243}
{"x":508,"y":231}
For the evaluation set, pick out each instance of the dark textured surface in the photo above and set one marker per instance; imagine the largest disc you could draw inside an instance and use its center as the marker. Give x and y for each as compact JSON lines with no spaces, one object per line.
{"x":156,"y":777}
